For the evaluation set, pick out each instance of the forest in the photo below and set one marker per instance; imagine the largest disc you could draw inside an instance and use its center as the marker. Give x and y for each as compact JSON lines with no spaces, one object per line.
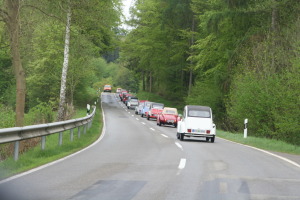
{"x":240,"y":57}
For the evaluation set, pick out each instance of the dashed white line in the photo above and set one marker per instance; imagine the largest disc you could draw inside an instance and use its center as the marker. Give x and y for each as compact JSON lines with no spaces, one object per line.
{"x":143,"y":123}
{"x":137,"y":119}
{"x":152,"y":129}
{"x":179,"y":146}
{"x":182,"y":163}
{"x":164,"y":135}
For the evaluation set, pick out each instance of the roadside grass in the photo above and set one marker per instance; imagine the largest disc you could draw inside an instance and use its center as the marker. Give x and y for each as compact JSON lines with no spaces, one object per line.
{"x":262,"y":143}
{"x":37,"y":157}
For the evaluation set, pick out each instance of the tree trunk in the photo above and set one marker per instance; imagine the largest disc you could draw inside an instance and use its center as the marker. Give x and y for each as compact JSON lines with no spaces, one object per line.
{"x":150,"y":82}
{"x":63,"y":86}
{"x":274,"y":35}
{"x":191,"y":69}
{"x":144,"y":84}
{"x":13,"y":24}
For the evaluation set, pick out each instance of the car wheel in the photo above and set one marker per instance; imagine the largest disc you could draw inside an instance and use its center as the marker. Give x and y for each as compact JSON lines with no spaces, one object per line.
{"x":148,"y":117}
{"x":181,"y":136}
{"x":178,"y":137}
{"x":207,"y":139}
{"x":159,"y":123}
{"x":142,"y":115}
{"x":175,"y":125}
{"x":212,"y":139}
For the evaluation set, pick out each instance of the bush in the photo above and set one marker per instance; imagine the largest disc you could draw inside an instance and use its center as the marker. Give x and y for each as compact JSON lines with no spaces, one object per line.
{"x":271,"y":103}
{"x":7,"y":116}
{"x":40,"y":114}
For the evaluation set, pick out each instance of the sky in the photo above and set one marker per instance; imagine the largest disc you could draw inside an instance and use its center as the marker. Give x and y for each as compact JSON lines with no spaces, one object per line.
{"x":126,"y":5}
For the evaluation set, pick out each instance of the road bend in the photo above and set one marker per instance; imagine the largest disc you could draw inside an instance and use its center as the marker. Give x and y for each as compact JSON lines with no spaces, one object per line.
{"x":136,"y":159}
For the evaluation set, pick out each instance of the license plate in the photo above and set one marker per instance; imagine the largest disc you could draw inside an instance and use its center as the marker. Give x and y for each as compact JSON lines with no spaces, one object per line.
{"x":170,"y":121}
{"x":198,"y":131}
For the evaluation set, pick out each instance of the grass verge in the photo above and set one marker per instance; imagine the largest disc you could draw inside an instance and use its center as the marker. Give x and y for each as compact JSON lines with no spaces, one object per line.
{"x":262,"y":143}
{"x":37,"y":157}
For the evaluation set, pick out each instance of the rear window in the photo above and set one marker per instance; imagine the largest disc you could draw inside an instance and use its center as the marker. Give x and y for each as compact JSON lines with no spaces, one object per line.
{"x":173,"y":112}
{"x":199,"y":113}
{"x":133,"y":100}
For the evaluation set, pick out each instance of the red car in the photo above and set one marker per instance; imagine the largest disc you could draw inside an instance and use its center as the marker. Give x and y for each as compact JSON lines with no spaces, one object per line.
{"x":125,"y":97}
{"x":154,"y":110}
{"x":169,"y":116}
{"x":121,"y":94}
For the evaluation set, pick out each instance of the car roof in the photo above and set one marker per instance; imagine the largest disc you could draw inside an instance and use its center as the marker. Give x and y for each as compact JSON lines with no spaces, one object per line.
{"x":202,"y":108}
{"x":157,"y":103}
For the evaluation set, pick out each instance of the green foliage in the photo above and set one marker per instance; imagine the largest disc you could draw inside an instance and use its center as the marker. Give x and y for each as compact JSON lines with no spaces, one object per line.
{"x":126,"y":79}
{"x":207,"y":93}
{"x":40,"y":114}
{"x":7,"y":116}
{"x":157,"y":49}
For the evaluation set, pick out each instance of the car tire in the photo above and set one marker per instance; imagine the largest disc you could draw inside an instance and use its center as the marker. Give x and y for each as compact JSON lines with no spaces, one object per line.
{"x":212,"y":139}
{"x":181,"y":136}
{"x":159,"y":123}
{"x":207,"y":139}
{"x":175,"y":125}
{"x":148,"y":118}
{"x":142,"y":115}
{"x":178,"y":136}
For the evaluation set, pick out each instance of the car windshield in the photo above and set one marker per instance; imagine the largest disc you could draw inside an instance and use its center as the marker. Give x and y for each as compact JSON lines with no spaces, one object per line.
{"x":199,"y":113}
{"x":158,"y":106}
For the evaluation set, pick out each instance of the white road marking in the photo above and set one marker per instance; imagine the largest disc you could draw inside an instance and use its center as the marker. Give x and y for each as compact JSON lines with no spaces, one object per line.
{"x":137,"y":119}
{"x":164,"y":135}
{"x":267,"y":152}
{"x":152,"y":129}
{"x":143,"y":123}
{"x":223,"y":187}
{"x":182,"y":163}
{"x":179,"y":146}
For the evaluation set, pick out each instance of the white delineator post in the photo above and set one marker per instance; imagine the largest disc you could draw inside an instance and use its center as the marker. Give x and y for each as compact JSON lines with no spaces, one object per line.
{"x":88,"y":108}
{"x":245,"y":128}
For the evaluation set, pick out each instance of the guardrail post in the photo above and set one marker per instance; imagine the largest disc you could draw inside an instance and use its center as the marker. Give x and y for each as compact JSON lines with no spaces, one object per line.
{"x":43,"y":142}
{"x":60,"y":138}
{"x":84,"y":129}
{"x":16,"y":153}
{"x":78,"y":132}
{"x":71,"y":134}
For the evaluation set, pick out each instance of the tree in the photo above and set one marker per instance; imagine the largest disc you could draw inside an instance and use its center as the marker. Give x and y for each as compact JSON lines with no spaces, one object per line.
{"x":11,"y":16}
{"x":62,"y":97}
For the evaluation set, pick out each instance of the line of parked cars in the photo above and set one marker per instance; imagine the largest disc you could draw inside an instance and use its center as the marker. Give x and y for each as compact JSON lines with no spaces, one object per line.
{"x":196,"y":121}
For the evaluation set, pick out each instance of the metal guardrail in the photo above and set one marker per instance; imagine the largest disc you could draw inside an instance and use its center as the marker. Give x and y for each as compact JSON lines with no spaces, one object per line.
{"x":16,"y":134}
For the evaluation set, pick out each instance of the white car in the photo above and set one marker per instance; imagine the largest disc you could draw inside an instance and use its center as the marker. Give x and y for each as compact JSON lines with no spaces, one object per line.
{"x":196,"y":122}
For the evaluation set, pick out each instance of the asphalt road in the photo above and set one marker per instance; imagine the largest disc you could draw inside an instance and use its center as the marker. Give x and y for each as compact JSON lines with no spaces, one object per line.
{"x":136,"y":159}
